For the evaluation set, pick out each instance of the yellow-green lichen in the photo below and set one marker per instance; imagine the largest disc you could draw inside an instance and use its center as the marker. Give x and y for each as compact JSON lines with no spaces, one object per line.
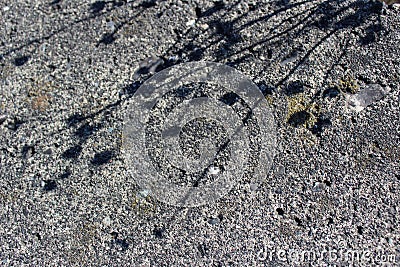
{"x":300,"y":111}
{"x":144,"y":204}
{"x":269,"y":99}
{"x":347,"y":84}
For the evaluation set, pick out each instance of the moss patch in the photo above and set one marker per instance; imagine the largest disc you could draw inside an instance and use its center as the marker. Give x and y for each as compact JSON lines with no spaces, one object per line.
{"x":301,"y":111}
{"x":144,"y":204}
{"x":347,"y":85}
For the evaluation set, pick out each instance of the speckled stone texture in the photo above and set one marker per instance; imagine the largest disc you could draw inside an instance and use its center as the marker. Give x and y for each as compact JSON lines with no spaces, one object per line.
{"x":69,"y":70}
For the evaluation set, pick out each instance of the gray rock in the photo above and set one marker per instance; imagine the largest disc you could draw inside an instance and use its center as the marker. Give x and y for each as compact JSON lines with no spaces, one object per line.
{"x":367,"y":96}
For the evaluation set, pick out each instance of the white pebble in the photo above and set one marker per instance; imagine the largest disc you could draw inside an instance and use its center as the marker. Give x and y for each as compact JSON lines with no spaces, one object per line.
{"x":204,"y":26}
{"x":111,"y":26}
{"x":107,"y":221}
{"x":367,"y":96}
{"x":144,"y":193}
{"x":191,"y":22}
{"x":214,"y":170}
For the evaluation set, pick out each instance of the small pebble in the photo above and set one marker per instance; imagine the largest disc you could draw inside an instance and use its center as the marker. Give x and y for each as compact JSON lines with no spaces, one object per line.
{"x":204,"y":26}
{"x":291,"y":58}
{"x":43,"y":48}
{"x":318,"y":187}
{"x":281,"y":170}
{"x":6,"y":8}
{"x":143,"y":193}
{"x":173,"y":58}
{"x":107,"y":221}
{"x":48,"y":151}
{"x":214,"y":170}
{"x":191,"y":23}
{"x":253,"y":187}
{"x":3,"y":118}
{"x":111,"y":26}
{"x":213,"y":221}
{"x":149,"y":65}
{"x":368,"y":95}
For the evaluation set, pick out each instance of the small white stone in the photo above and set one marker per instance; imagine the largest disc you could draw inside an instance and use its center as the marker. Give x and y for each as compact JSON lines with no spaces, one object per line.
{"x":143,"y":193}
{"x":43,"y":48}
{"x":111,"y":26}
{"x":204,"y":26}
{"x":367,"y":96}
{"x":318,"y":187}
{"x":191,"y":22}
{"x":253,"y":187}
{"x":107,"y":221}
{"x":214,"y":170}
{"x":6,"y":8}
{"x":173,"y":58}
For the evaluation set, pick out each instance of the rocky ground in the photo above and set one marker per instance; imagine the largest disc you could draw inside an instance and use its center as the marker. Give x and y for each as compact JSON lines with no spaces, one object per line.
{"x":69,"y":69}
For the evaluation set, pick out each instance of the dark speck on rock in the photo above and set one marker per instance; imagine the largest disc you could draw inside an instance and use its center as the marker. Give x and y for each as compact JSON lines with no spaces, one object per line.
{"x":38,"y":236}
{"x":102,"y":157}
{"x":66,"y":174}
{"x":148,"y":4}
{"x":74,"y":119}
{"x":159,"y":232}
{"x":198,"y":11}
{"x":14,"y":124}
{"x":124,"y":245}
{"x":359,"y":230}
{"x":28,"y":151}
{"x":72,"y":152}
{"x":280,"y":211}
{"x":203,"y":249}
{"x":114,"y":234}
{"x":19,"y":61}
{"x":322,"y":122}
{"x":267,"y":89}
{"x":49,"y":185}
{"x":294,"y":88}
{"x":55,"y":2}
{"x":107,"y":39}
{"x":85,"y":130}
{"x":97,"y":6}
{"x":299,"y":118}
{"x":298,"y":221}
{"x":331,"y":92}
{"x":47,"y":151}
